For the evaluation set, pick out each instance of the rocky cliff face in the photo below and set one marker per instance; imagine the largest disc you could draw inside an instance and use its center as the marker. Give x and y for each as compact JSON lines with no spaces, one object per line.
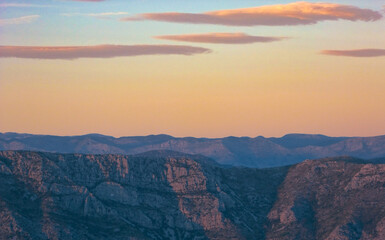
{"x":239,"y":151}
{"x":167,"y":195}
{"x":149,"y":196}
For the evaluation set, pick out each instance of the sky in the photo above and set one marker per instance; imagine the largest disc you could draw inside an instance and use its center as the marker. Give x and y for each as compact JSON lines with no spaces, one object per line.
{"x":192,"y":68}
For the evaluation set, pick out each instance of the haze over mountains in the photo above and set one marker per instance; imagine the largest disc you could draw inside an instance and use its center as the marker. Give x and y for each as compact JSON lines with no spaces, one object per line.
{"x":168,"y":195}
{"x":241,"y":151}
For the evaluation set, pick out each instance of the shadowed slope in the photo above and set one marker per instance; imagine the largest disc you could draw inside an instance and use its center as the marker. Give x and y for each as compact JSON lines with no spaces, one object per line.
{"x":335,"y":198}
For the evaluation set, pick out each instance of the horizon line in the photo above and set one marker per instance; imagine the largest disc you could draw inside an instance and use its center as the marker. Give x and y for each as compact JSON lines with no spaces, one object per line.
{"x":169,"y":135}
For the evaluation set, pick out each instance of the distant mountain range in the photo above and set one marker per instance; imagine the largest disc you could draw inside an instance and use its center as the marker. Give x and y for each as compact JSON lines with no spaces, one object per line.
{"x":258,"y":152}
{"x":168,"y":195}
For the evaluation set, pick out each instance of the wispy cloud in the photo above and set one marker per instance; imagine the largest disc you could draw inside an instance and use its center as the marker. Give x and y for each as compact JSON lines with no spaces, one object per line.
{"x":298,"y":13}
{"x":97,"y":15}
{"x":21,"y":5}
{"x":356,"y":52}
{"x":224,"y":38}
{"x":18,"y":20}
{"x":98,"y":51}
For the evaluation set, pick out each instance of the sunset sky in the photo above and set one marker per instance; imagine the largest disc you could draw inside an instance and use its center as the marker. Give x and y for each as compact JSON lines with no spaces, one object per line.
{"x":192,"y":68}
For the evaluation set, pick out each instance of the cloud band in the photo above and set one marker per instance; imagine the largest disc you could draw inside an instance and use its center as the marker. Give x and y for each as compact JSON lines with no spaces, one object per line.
{"x":98,"y":51}
{"x":356,"y":52}
{"x":223,"y":38}
{"x":298,"y":13}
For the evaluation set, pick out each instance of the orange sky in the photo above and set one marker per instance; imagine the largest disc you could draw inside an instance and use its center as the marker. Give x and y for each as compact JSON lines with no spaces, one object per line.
{"x":269,"y":88}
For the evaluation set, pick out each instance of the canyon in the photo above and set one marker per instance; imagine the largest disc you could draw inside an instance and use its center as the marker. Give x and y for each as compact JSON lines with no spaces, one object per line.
{"x":172,"y":195}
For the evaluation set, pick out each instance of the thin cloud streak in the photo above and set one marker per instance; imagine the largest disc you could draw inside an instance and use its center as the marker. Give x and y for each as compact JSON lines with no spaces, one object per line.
{"x":297,"y":13}
{"x":98,"y":51}
{"x":21,"y":5}
{"x":222,"y":38}
{"x":356,"y":52}
{"x":18,"y":20}
{"x":96,"y":15}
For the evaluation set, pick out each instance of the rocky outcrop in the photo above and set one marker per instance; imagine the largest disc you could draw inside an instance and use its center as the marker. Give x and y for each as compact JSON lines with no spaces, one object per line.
{"x":169,"y":195}
{"x":330,"y":199}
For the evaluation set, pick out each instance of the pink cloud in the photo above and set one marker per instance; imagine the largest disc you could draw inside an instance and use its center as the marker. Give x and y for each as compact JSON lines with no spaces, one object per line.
{"x":356,"y":52}
{"x":98,"y":51}
{"x":298,"y":13}
{"x":225,"y":38}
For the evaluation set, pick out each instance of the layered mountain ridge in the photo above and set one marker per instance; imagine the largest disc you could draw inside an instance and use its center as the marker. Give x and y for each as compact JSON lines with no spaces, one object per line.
{"x":169,"y":195}
{"x":239,"y":151}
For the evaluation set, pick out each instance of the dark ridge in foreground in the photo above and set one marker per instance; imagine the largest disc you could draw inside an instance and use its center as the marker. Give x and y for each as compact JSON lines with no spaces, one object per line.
{"x":168,"y":195}
{"x":237,"y":151}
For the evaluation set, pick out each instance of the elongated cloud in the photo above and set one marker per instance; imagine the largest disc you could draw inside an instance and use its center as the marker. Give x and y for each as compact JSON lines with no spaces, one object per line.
{"x":356,"y":52}
{"x":298,"y":13}
{"x":21,"y":5}
{"x":98,"y":51}
{"x":103,"y":15}
{"x":225,"y":38}
{"x":18,"y":20}
{"x":95,"y":14}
